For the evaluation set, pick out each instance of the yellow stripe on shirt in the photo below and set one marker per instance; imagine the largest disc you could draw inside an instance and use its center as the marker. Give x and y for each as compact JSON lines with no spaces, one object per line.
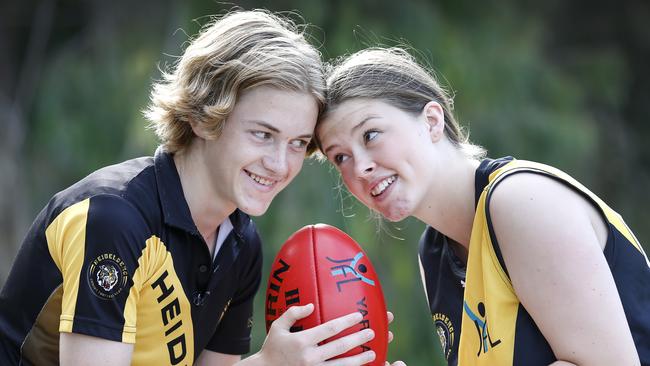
{"x":66,"y":240}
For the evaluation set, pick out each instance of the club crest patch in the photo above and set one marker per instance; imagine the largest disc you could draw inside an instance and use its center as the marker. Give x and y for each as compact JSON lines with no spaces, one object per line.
{"x":445,"y":330}
{"x":107,"y":276}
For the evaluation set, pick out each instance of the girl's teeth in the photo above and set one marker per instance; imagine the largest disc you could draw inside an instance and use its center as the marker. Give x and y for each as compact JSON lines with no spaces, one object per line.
{"x":379,"y":188}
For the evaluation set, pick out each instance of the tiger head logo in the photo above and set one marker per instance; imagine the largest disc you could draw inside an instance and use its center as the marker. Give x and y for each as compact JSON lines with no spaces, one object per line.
{"x":445,"y":332}
{"x":107,"y":276}
{"x":442,"y":336}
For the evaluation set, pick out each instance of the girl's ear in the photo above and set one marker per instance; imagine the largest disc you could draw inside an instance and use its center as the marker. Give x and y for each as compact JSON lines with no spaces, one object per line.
{"x":435,"y":119}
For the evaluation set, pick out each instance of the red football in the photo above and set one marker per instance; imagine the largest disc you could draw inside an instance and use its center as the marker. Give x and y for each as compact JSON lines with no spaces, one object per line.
{"x":322,"y":265}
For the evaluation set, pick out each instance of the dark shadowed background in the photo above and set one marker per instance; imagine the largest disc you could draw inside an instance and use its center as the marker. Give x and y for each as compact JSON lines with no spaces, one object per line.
{"x":561,"y":82}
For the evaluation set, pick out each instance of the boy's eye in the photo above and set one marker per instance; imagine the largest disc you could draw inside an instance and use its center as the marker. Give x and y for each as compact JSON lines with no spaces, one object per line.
{"x":262,"y":135}
{"x":369,"y":136}
{"x":339,"y":158}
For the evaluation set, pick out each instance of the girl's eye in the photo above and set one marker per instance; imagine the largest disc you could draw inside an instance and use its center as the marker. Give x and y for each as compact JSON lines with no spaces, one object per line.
{"x":262,"y":135}
{"x":299,"y":144}
{"x":370,"y":135}
{"x":339,"y":159}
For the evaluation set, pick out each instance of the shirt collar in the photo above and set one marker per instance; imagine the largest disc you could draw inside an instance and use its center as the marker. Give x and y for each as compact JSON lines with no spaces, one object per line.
{"x":175,"y":210}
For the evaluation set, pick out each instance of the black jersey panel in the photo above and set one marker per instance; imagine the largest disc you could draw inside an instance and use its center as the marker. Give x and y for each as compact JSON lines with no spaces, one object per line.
{"x":443,"y":276}
{"x":233,"y":333}
{"x":531,"y":348}
{"x":33,"y":278}
{"x":634,"y":291}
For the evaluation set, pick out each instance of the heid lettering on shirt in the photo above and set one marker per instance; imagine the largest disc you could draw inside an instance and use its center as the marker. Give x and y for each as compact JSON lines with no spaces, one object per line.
{"x":170,"y":313}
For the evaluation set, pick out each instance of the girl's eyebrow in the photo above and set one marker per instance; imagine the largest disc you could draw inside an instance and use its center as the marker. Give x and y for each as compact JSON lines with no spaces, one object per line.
{"x":363,"y":122}
{"x":356,"y":127}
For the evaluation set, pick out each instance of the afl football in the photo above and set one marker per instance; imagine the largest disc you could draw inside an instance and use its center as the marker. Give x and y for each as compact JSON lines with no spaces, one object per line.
{"x":322,"y":265}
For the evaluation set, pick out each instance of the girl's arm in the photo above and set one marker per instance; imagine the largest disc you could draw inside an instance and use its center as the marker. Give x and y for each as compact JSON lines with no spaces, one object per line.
{"x":552,"y":242}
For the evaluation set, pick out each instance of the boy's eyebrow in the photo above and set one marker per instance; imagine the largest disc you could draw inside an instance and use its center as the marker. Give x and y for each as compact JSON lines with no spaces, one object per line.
{"x":356,"y":127}
{"x":265,"y":125}
{"x":276,"y":130}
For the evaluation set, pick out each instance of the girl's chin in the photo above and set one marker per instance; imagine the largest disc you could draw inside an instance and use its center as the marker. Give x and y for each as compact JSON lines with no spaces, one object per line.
{"x":395,"y":213}
{"x":395,"y":218}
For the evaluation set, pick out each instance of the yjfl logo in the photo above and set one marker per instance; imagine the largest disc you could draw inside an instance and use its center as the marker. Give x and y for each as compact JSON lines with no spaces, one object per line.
{"x":349,"y":266}
{"x":485,"y":341}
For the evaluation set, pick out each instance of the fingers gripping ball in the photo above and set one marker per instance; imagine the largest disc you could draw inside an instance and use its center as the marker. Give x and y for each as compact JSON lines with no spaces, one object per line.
{"x":322,"y":265}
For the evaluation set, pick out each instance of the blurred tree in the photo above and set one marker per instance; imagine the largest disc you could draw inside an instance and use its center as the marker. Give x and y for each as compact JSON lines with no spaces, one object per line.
{"x":604,"y":47}
{"x":23,"y":51}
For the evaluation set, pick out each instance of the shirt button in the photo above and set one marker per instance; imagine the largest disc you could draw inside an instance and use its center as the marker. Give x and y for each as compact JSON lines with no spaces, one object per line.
{"x":203,"y":268}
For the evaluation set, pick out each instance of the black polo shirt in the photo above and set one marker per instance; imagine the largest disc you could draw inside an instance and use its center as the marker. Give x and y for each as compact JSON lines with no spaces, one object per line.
{"x":117,"y":256}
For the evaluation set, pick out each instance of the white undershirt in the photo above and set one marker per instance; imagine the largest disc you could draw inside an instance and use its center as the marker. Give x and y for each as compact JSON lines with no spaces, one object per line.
{"x":224,"y":229}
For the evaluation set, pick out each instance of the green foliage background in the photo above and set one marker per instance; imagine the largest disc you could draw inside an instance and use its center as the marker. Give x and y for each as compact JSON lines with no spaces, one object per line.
{"x":564,"y":83}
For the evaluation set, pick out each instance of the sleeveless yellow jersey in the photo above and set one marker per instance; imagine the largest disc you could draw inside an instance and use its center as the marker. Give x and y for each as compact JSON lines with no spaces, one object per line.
{"x":495,"y":329}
